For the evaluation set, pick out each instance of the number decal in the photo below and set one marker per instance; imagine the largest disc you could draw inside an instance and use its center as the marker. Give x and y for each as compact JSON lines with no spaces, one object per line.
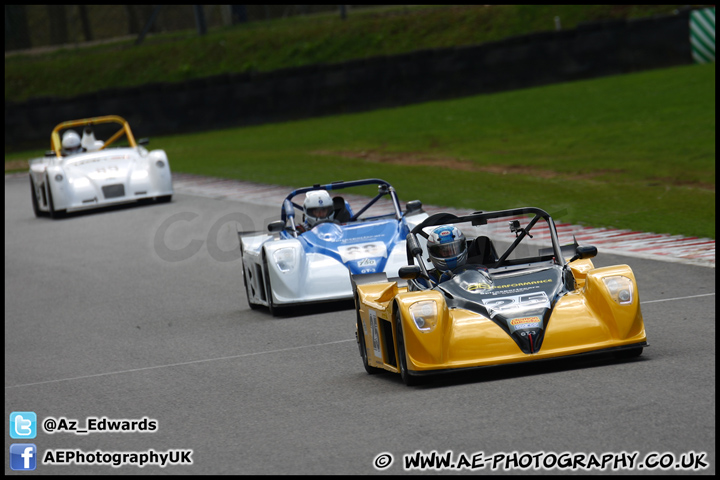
{"x":515,"y":303}
{"x":362,"y":250}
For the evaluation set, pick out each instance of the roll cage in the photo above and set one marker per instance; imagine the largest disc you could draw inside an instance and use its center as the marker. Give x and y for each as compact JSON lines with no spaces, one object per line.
{"x":56,"y":143}
{"x":515,"y":217}
{"x":384,"y":188}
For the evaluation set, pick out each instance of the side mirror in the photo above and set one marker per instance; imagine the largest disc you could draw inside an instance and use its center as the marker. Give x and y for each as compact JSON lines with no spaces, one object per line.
{"x":144,"y":141}
{"x":413,"y":206}
{"x":411,"y":272}
{"x":276,"y":226}
{"x":479,"y":221}
{"x":584,"y":252}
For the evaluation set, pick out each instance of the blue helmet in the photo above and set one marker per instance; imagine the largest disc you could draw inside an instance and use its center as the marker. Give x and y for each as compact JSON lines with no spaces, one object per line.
{"x":447,"y":247}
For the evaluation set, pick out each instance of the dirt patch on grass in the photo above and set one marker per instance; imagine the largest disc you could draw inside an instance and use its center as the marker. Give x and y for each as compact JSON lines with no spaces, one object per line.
{"x":654,"y":182}
{"x":16,"y":165}
{"x":424,"y":160}
{"x":418,"y":159}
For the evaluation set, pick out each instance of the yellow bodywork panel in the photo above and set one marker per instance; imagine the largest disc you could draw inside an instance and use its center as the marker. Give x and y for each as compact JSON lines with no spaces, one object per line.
{"x":579,"y":269}
{"x":376,"y":318}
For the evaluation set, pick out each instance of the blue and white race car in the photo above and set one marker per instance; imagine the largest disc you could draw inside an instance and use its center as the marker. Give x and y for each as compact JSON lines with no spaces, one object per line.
{"x":301,"y":262}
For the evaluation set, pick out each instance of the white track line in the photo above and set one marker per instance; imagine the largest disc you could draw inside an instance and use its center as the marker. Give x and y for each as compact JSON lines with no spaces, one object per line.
{"x":677,"y":298}
{"x":178,"y":364}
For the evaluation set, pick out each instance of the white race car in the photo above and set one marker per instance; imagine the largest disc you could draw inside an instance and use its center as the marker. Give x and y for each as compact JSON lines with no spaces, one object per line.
{"x":91,"y":175}
{"x":291,"y":266}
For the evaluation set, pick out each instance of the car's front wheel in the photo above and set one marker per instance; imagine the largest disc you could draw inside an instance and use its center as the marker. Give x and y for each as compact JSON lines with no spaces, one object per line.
{"x":252,"y":304}
{"x":35,"y":205}
{"x":409,"y":380}
{"x":268,"y":287}
{"x":51,"y":205}
{"x":363,"y":349}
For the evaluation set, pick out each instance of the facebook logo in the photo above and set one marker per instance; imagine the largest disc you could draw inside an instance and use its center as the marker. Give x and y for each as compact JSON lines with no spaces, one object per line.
{"x":23,"y":456}
{"x":23,"y":425}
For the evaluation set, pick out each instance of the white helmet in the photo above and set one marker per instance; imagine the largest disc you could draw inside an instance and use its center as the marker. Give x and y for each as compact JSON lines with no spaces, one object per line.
{"x":89,"y":142}
{"x":318,"y":206}
{"x":71,"y":141}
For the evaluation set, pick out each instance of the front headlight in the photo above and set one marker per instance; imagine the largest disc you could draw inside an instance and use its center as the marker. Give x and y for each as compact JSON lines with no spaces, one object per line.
{"x":620,"y":288}
{"x":139,"y":174}
{"x":285,"y":259}
{"x":424,"y":314}
{"x":81,"y":182}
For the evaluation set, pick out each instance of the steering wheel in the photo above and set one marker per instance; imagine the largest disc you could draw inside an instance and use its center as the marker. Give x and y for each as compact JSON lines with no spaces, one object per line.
{"x":327,"y":220}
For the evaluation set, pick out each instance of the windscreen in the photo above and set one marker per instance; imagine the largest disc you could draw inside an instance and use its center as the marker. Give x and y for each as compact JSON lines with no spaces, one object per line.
{"x":527,"y":240}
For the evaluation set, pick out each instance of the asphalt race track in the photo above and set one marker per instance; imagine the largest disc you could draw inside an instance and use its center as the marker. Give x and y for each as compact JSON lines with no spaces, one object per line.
{"x":140,"y":313}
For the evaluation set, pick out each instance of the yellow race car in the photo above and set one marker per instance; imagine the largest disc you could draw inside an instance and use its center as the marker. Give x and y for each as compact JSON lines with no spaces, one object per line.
{"x":515,"y":299}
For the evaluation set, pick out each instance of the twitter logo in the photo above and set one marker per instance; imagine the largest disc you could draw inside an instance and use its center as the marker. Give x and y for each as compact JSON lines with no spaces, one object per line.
{"x":23,"y":425}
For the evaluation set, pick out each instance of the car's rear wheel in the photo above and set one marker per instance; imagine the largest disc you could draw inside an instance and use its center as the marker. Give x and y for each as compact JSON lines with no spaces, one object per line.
{"x":164,"y":199}
{"x":35,"y":205}
{"x":409,"y":380}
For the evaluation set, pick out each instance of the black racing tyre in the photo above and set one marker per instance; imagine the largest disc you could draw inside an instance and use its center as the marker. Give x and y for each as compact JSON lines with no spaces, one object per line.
{"x":409,"y":380}
{"x":629,"y":353}
{"x":35,"y":205}
{"x":253,"y":306}
{"x":164,"y":199}
{"x":363,"y":351}
{"x":268,"y":287}
{"x":51,"y":206}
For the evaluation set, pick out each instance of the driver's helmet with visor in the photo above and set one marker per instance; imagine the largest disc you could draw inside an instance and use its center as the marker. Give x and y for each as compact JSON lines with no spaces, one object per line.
{"x":71,"y":141}
{"x":447,"y":247}
{"x":318,"y":207}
